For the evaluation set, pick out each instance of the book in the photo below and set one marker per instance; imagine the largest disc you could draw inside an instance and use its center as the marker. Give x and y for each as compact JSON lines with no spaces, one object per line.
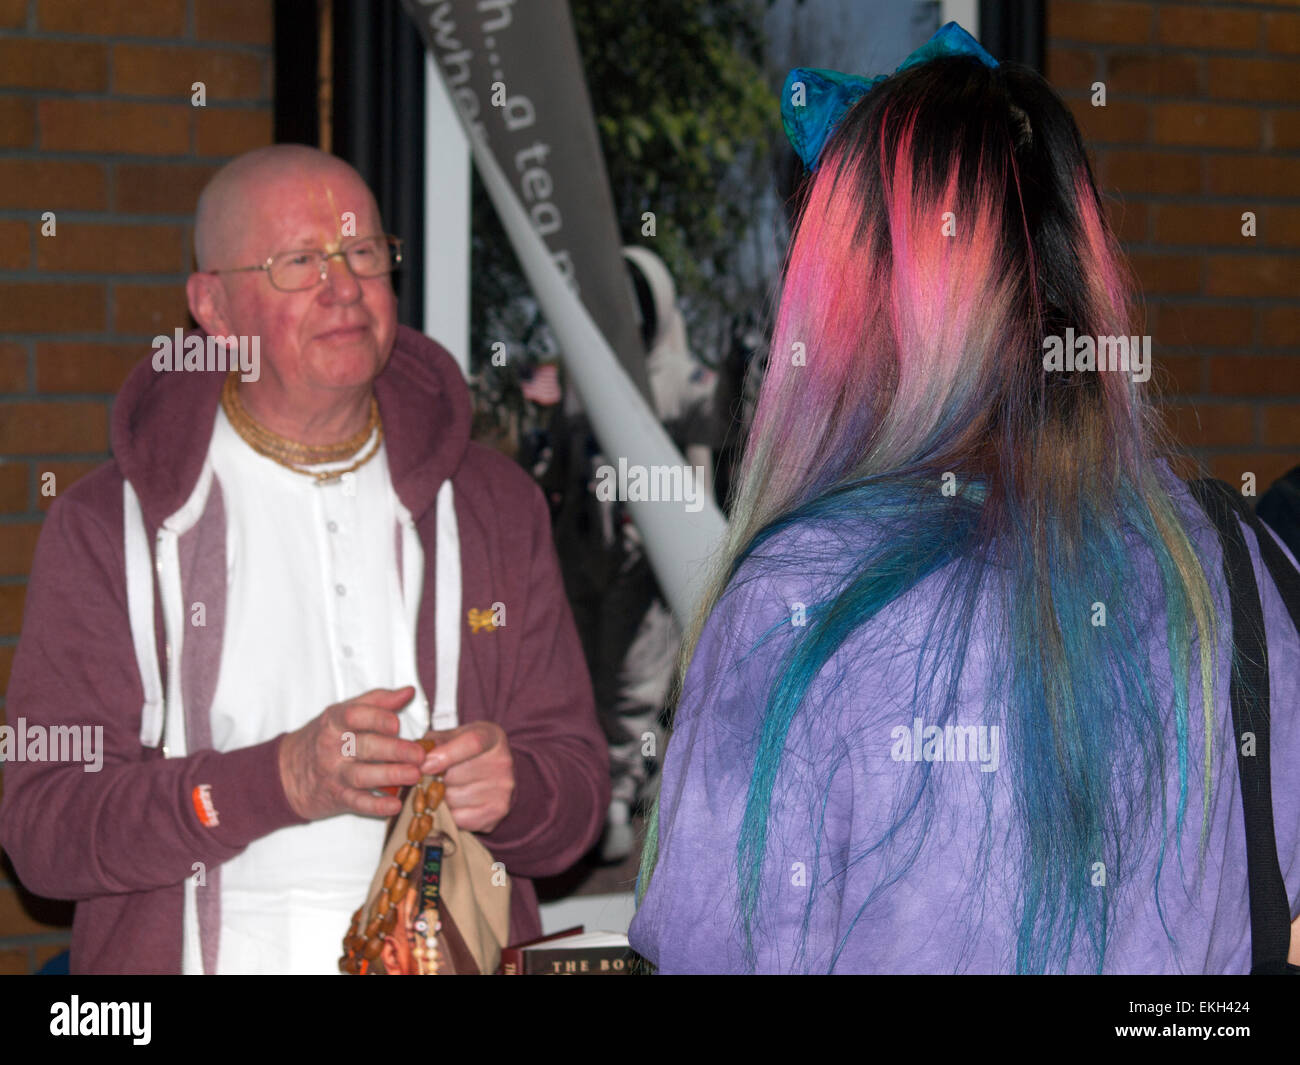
{"x":573,"y":952}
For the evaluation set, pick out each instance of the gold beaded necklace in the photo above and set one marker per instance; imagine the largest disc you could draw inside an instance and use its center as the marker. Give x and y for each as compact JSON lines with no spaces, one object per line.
{"x":293,"y":455}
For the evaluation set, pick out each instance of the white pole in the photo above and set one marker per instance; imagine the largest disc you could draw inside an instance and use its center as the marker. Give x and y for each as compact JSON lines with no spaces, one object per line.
{"x":446,"y":220}
{"x":679,"y":541}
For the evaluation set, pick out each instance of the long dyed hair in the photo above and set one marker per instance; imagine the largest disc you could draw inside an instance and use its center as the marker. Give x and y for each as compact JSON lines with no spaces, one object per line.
{"x":954,"y":224}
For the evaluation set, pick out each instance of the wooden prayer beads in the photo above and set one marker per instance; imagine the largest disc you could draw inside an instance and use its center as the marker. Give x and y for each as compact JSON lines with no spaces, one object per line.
{"x":364,"y":944}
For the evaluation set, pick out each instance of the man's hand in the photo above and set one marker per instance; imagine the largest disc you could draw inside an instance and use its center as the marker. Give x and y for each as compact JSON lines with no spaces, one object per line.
{"x":479,"y":770}
{"x":330,"y":764}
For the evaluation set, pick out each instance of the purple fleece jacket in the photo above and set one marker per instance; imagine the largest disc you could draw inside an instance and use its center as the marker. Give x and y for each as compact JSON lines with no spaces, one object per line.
{"x":852,"y":760}
{"x":121,"y":842}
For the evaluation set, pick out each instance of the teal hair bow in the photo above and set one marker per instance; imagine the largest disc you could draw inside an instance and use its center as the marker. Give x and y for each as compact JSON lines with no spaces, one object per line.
{"x":828,"y":94}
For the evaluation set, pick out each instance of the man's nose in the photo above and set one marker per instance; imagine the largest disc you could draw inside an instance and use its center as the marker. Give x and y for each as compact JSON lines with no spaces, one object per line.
{"x":341,"y":284}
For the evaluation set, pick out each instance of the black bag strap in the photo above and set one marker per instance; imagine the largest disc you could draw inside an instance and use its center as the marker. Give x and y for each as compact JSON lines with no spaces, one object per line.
{"x":1270,"y":910}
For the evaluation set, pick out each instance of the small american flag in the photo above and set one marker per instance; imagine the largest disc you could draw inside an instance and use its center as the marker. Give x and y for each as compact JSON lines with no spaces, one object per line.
{"x":543,"y":388}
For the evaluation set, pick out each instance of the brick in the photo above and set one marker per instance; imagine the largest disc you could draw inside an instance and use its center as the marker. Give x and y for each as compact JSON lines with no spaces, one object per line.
{"x":15,"y":245}
{"x":1072,"y":68}
{"x":1279,"y":327}
{"x":1200,"y":223}
{"x":1204,"y":28}
{"x":37,"y":307}
{"x":1211,"y":425}
{"x":1254,"y":79}
{"x":1128,"y":219}
{"x":1119,"y":122}
{"x":148,"y":310}
{"x":88,"y":367}
{"x":17,"y":546}
{"x":61,"y":428}
{"x":73,"y":66}
{"x":6,"y":668}
{"x":1282,"y":33}
{"x":1281,"y":426}
{"x":1279,"y":227}
{"x":13,"y":962}
{"x":1200,"y":325}
{"x":13,"y":14}
{"x":1266,"y":466}
{"x":1210,"y":125}
{"x":1254,"y":375}
{"x":166,"y":188}
{"x":1144,"y":74}
{"x":139,"y":18}
{"x":66,"y":474}
{"x":114,"y":127}
{"x":1284,"y":129}
{"x":1252,"y":275}
{"x":12,"y":597}
{"x":13,"y":367}
{"x":1182,"y":375}
{"x":155,"y":70}
{"x":13,"y":487}
{"x":1253,"y":175}
{"x":17,"y":123}
{"x":30,"y":915}
{"x":1167,"y":274}
{"x":1156,"y":173}
{"x":246,"y":21}
{"x":1101,"y":22}
{"x":47,"y":185}
{"x":230,"y":131}
{"x":90,"y":248}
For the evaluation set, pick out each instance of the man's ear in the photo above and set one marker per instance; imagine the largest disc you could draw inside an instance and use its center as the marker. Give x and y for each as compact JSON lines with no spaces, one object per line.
{"x":208,"y":303}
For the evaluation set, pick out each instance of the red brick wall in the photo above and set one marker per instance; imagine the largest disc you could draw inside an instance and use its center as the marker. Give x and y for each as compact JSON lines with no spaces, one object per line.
{"x":1201,"y":124}
{"x":97,"y":125}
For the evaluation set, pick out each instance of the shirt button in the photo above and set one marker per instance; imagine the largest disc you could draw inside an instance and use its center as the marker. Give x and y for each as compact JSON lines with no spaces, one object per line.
{"x":347,"y":652}
{"x":333,"y":526}
{"x":340,"y":589}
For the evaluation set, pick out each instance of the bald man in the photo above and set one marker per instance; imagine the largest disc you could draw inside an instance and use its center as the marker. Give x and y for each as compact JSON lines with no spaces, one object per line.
{"x":282,"y":581}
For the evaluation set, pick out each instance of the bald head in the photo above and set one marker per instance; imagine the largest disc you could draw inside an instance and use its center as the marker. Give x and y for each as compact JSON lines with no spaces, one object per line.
{"x":321,"y":346}
{"x":233,"y":206}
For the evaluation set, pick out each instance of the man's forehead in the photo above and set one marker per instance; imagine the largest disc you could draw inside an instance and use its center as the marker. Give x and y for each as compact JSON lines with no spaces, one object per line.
{"x":332,"y":202}
{"x":282,"y":193}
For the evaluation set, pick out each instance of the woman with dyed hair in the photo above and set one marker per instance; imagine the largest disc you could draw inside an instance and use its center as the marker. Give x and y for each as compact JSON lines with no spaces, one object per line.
{"x":958,"y":698}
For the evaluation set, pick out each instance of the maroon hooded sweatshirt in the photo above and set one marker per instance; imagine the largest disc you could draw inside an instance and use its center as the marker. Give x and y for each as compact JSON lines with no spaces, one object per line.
{"x":122,"y":841}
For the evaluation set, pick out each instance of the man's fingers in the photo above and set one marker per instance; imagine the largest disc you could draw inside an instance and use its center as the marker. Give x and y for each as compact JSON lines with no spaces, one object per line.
{"x":457,"y":748}
{"x":371,"y":747}
{"x":359,"y":717}
{"x":366,"y":775}
{"x":475,"y":793}
{"x":362,"y":802}
{"x":387,"y":698}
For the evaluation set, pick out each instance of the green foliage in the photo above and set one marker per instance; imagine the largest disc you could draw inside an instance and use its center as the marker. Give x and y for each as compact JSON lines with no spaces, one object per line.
{"x":686,"y":124}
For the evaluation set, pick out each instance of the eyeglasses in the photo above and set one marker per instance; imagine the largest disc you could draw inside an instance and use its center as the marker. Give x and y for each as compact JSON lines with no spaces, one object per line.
{"x":294,"y":271}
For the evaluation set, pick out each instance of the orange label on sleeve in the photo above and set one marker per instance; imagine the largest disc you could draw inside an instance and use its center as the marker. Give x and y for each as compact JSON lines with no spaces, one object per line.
{"x":202,"y":796}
